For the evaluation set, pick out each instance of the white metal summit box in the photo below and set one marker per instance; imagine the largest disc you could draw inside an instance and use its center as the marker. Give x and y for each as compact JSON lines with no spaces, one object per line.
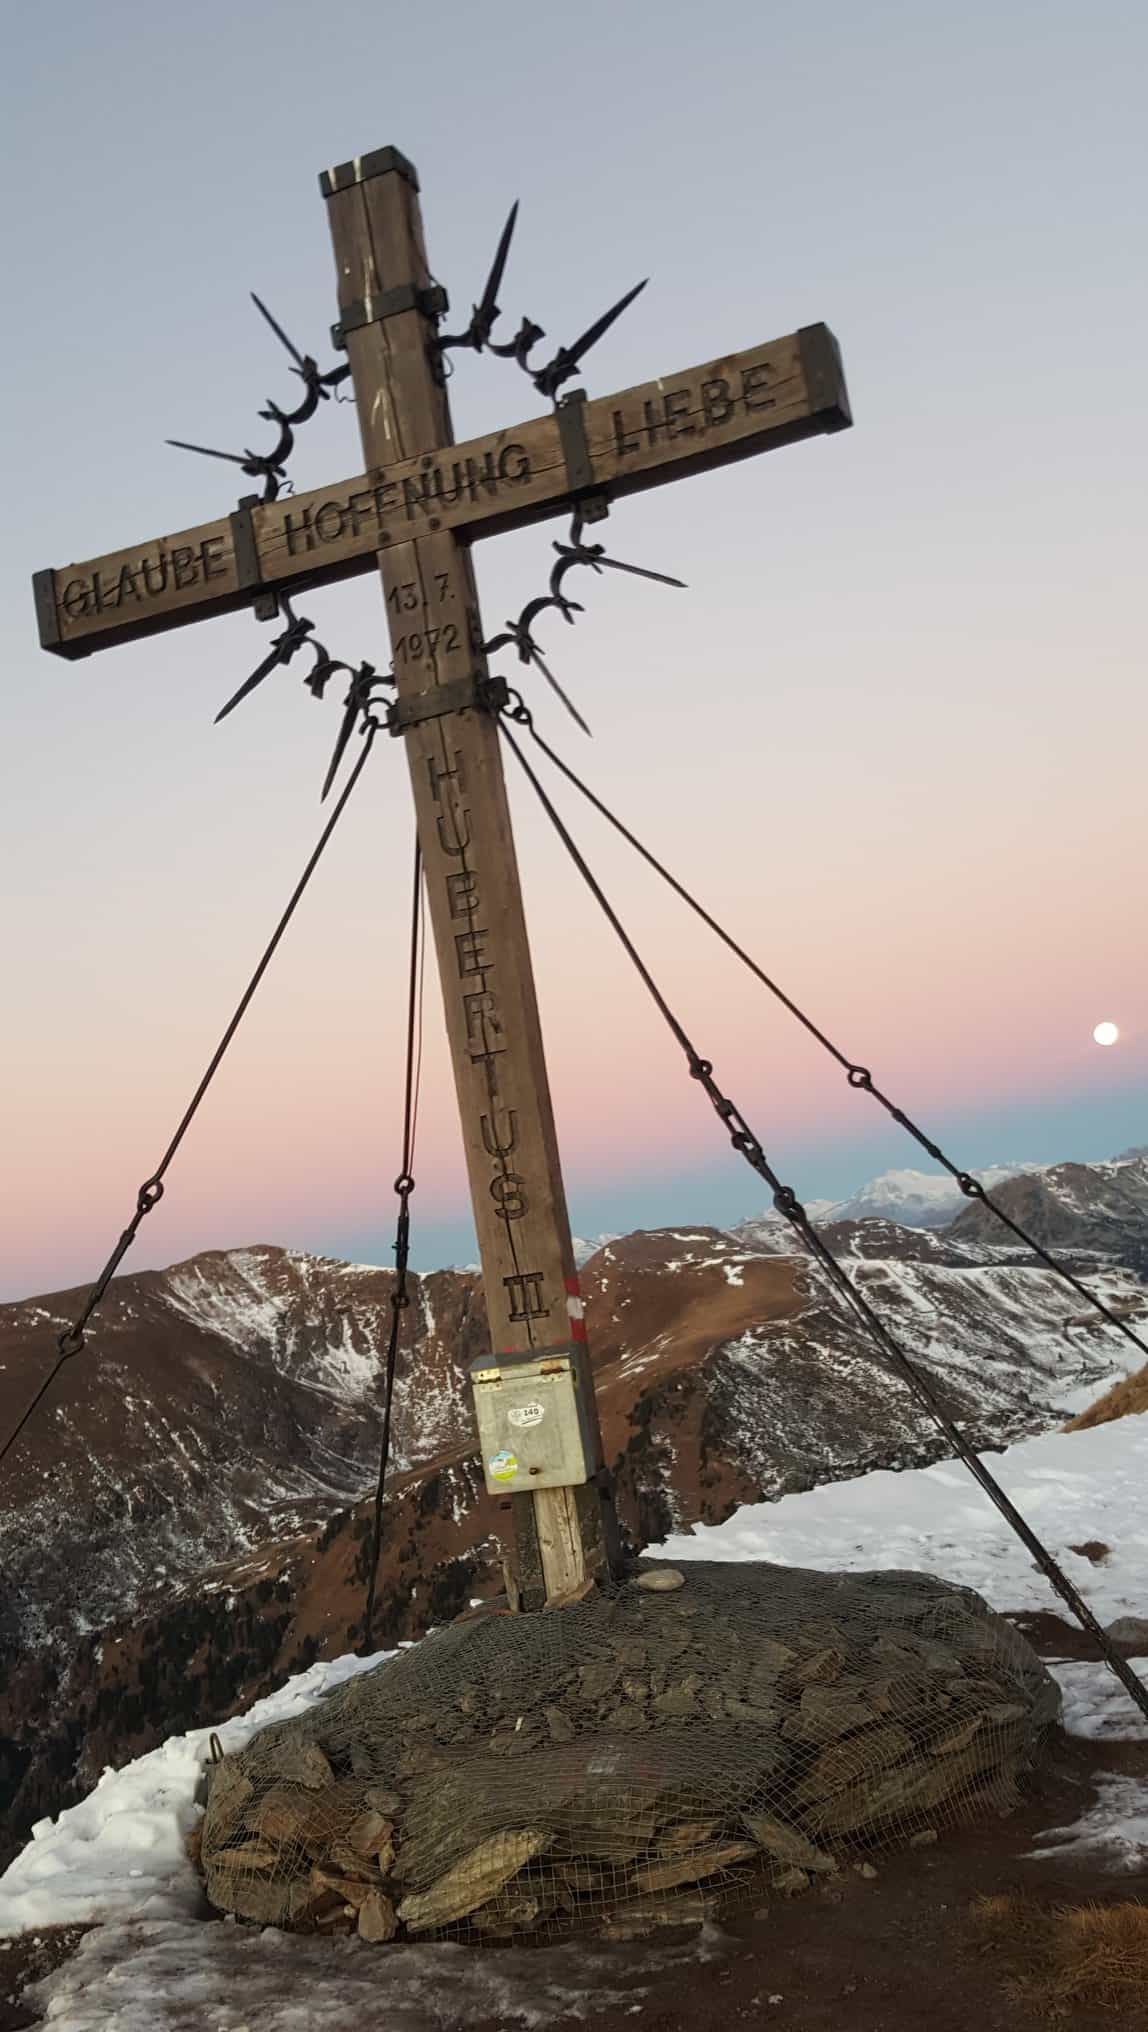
{"x":535,"y":1419}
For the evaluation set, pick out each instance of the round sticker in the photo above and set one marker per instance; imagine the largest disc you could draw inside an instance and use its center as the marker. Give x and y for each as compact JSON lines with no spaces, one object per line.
{"x":504,"y":1466}
{"x":527,"y":1414}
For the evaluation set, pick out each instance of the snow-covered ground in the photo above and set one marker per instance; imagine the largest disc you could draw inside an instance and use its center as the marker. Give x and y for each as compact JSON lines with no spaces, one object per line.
{"x":119,"y":1858}
{"x":1073,"y":1487}
{"x":165,"y":1975}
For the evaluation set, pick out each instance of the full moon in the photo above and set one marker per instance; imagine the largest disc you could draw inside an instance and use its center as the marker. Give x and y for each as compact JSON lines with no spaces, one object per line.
{"x":1105,"y":1033}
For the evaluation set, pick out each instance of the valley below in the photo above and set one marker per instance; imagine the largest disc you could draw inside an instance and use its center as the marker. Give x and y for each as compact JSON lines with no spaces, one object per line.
{"x":187,"y":1521}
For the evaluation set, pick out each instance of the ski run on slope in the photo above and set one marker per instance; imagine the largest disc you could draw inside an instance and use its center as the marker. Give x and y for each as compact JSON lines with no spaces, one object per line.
{"x":119,"y":1858}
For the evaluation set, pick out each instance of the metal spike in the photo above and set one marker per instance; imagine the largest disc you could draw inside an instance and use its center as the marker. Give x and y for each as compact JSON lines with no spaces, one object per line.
{"x":601,"y":326}
{"x":345,"y":732}
{"x":268,"y":664}
{"x":569,"y":358}
{"x":279,"y":332}
{"x":486,"y":310}
{"x":639,"y":571}
{"x":206,"y":451}
{"x":551,"y":680}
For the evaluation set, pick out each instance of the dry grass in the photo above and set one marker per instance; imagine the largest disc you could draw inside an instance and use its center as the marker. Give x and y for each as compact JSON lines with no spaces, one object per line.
{"x":1129,"y":1396}
{"x":1062,"y":1958}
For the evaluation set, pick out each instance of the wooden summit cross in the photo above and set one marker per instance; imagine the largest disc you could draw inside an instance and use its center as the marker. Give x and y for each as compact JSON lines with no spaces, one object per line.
{"x":416,"y":511}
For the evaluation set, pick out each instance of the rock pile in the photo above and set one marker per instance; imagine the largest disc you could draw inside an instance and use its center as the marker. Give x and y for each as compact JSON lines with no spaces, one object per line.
{"x":635,"y":1760}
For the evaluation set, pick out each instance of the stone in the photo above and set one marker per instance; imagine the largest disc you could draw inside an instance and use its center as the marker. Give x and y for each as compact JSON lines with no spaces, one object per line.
{"x":378,"y":1919}
{"x":661,"y":1580}
{"x":787,"y":1844}
{"x":674,"y":1643}
{"x":1130,"y":1635}
{"x":229,"y":1792}
{"x":521,"y":1906}
{"x":368,"y":1869}
{"x":917,"y":1786}
{"x":295,"y":1818}
{"x":790,"y":1882}
{"x":271,"y":1903}
{"x":676,"y":1700}
{"x":689,"y":1834}
{"x":649,"y":1915}
{"x":826,"y":1712}
{"x":600,"y":1677}
{"x":252,"y":1855}
{"x":629,"y":1717}
{"x":865,"y":1870}
{"x":371,"y":1833}
{"x":282,"y":1815}
{"x":957,"y":1739}
{"x":350,"y":1890}
{"x":820,"y":1668}
{"x":304,"y":1764}
{"x":923,"y":1839}
{"x":659,"y":1750}
{"x":691,"y":1868}
{"x":473,"y":1881}
{"x":770,"y":1659}
{"x":856,"y":1761}
{"x":749,"y":1711}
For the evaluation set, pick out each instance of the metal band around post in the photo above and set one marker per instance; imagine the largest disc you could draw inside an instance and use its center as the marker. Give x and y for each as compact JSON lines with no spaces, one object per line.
{"x":433,"y":302}
{"x":490,"y":694}
{"x":248,"y":574}
{"x":570,"y":410}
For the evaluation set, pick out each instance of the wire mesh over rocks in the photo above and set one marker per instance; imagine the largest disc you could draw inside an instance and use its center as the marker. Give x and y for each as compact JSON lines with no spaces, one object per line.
{"x":648,"y":1757}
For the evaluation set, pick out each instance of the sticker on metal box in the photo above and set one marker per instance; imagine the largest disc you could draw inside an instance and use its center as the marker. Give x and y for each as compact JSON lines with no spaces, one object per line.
{"x":527,"y":1414}
{"x":503,"y":1466}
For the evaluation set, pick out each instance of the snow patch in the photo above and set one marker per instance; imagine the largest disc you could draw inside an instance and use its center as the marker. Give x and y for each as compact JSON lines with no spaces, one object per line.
{"x":228,"y":1978}
{"x":121,"y":1851}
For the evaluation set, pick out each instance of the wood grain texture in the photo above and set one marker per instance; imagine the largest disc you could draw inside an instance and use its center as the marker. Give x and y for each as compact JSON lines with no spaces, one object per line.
{"x":473,"y":892}
{"x":731,"y":408}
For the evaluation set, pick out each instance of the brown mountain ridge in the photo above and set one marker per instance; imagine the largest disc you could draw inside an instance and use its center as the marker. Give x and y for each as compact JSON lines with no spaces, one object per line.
{"x":186,"y":1520}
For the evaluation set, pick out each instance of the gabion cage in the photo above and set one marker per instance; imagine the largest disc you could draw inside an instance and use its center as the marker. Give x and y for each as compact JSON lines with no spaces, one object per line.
{"x":645,"y":1758}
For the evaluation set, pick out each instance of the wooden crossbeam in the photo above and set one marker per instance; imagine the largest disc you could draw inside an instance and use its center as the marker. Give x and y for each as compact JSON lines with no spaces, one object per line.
{"x":727,"y":409}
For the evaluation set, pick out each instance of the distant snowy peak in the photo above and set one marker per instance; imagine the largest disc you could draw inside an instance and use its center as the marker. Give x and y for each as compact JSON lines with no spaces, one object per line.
{"x":910,"y":1199}
{"x":583,"y":1250}
{"x":919,"y":1199}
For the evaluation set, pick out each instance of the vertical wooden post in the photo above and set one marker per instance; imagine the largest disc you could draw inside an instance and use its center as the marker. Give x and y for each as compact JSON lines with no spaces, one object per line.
{"x":563,"y":1536}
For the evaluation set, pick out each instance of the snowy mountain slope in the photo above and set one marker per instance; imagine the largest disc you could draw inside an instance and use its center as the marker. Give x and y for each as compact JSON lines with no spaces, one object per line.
{"x":1073,"y":1207}
{"x":221,"y":1431}
{"x":226,"y":1396}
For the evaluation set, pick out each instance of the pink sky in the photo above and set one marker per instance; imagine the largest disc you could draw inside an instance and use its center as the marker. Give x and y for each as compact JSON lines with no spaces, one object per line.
{"x":894,"y":731}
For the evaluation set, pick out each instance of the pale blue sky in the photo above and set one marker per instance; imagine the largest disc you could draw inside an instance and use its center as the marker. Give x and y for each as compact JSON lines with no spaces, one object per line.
{"x":917,"y":782}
